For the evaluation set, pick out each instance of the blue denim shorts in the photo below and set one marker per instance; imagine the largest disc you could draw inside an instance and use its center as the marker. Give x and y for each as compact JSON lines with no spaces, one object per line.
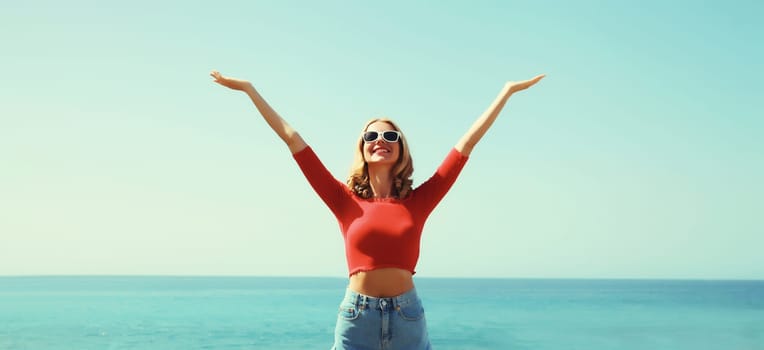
{"x":395,"y":323}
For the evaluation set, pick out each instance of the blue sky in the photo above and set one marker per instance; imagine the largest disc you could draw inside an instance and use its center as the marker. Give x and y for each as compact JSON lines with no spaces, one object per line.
{"x":639,"y":156}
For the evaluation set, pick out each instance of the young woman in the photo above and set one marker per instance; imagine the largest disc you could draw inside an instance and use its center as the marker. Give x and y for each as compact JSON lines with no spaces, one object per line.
{"x":381,"y":218}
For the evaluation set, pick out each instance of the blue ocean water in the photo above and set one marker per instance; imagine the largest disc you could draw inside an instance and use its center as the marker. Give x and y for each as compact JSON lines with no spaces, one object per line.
{"x":299,"y":313}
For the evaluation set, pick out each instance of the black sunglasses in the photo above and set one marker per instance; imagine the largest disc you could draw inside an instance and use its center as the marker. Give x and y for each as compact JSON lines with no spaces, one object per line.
{"x":388,"y":136}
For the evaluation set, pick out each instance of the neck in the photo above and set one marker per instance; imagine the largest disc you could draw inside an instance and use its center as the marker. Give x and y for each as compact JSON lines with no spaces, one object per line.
{"x":381,"y":182}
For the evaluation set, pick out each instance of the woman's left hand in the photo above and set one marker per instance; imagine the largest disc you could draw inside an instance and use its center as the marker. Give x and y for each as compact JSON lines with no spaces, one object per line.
{"x":515,"y":86}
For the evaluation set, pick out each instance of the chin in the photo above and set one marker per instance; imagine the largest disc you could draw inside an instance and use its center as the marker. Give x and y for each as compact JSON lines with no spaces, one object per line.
{"x":380,"y":160}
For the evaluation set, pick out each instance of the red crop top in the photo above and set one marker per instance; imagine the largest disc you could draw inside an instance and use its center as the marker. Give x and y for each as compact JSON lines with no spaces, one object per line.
{"x":386,"y":232}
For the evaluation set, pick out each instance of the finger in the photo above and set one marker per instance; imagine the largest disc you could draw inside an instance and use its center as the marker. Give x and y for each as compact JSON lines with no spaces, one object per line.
{"x":536,"y":78}
{"x":533,"y":81}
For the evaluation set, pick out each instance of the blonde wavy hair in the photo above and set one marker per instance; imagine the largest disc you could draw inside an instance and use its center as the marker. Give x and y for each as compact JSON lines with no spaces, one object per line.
{"x":358,"y":181}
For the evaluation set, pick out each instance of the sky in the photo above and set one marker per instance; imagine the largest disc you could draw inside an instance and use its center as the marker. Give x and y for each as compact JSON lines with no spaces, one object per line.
{"x":638,"y":156}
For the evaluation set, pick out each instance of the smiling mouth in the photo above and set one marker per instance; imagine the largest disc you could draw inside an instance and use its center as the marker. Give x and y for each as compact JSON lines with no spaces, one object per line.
{"x":380,"y":150}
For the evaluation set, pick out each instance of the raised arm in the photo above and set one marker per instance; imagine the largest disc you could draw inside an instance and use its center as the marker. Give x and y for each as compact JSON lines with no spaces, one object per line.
{"x":481,"y":125}
{"x":278,"y":124}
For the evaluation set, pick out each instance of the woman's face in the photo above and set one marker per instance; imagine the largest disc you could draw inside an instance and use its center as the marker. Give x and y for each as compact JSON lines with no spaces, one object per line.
{"x":381,"y":151}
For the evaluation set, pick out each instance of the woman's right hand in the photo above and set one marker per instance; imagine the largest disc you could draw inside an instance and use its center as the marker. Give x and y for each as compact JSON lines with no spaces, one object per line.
{"x":231,"y":83}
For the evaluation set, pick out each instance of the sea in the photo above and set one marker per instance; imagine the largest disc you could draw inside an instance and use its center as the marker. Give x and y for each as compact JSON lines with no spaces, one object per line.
{"x":161,"y":312}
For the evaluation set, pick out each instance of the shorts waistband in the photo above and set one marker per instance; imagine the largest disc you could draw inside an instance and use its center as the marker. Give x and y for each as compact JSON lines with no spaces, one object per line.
{"x":364,"y":301}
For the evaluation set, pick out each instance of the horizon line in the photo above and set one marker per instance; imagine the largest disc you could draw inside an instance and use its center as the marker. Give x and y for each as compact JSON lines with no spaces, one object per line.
{"x":338,"y":277}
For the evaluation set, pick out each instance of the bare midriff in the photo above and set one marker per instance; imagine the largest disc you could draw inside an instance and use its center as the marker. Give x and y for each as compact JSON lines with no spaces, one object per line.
{"x":382,"y":283}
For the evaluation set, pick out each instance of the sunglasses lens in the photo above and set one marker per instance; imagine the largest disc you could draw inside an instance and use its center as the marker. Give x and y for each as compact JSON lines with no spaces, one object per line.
{"x":370,"y":136}
{"x":390,"y":136}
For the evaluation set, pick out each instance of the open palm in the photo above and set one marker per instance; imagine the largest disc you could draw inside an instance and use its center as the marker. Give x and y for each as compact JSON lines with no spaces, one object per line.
{"x":231,"y":83}
{"x":515,"y":86}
